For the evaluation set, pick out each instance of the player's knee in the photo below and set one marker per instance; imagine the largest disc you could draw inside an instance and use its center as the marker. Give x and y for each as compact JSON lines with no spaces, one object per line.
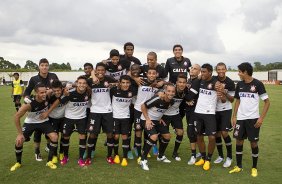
{"x":239,"y":142}
{"x":116,"y":136}
{"x":53,"y":137}
{"x":109,"y":135}
{"x":124,"y":136}
{"x":154,"y":137}
{"x":211,"y":138}
{"x":166,"y":136}
{"x":82,"y":136}
{"x":179,"y":132}
{"x":224,"y":134}
{"x":254,"y":144}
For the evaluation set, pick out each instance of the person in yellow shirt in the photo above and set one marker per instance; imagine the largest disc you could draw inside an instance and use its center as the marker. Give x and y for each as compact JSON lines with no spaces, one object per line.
{"x":17,"y":90}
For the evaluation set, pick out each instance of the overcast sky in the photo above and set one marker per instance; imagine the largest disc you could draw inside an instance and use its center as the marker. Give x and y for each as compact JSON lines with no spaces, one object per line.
{"x":85,"y":31}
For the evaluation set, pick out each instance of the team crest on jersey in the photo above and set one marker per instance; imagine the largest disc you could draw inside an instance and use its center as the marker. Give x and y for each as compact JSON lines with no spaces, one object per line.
{"x":185,"y":63}
{"x":253,"y":88}
{"x":210,"y":86}
{"x":106,"y":84}
{"x":129,"y":94}
{"x":51,"y":80}
{"x":46,"y":103}
{"x":138,"y":126}
{"x":119,"y":67}
{"x":86,"y":98}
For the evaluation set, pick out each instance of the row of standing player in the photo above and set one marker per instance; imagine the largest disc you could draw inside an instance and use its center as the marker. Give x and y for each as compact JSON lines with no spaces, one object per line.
{"x":207,"y":129}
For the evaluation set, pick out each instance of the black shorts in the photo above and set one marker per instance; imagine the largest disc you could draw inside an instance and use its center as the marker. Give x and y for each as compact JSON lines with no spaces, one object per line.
{"x":100,"y":120}
{"x":174,"y":120}
{"x":137,"y":121}
{"x":57,"y":124}
{"x":205,"y":124}
{"x":17,"y":98}
{"x":191,"y":124}
{"x":223,"y":120}
{"x":158,"y":128}
{"x":71,"y":124}
{"x":29,"y":128}
{"x":245,"y":129}
{"x":122,"y":126}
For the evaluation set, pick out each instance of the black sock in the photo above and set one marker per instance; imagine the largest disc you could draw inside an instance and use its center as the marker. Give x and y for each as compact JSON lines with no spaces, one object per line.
{"x":116,"y":142}
{"x":203,"y":155}
{"x":110,"y":145}
{"x":125,"y":147}
{"x":19,"y":151}
{"x":52,"y":148}
{"x":209,"y":157}
{"x":218,"y":142}
{"x":37,"y":151}
{"x":82,"y":147}
{"x":90,"y":146}
{"x":147,"y":147}
{"x":163,"y":145}
{"x":66,"y":144}
{"x":228,"y":144}
{"x":177,"y":143}
{"x":239,"y":155}
{"x":61,"y":145}
{"x":255,"y":152}
{"x":193,"y":151}
{"x":138,"y":145}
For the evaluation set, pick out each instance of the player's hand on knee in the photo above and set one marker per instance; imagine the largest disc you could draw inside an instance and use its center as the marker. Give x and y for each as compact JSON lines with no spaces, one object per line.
{"x":162,"y":122}
{"x":258,"y":123}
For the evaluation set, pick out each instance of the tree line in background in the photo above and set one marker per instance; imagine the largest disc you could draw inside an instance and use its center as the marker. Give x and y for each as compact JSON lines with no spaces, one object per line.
{"x":6,"y":66}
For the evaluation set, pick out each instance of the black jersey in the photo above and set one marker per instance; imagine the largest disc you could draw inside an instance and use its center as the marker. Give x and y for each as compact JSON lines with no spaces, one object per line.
{"x":101,"y":99}
{"x":207,"y":100}
{"x":128,"y":61}
{"x":178,"y":98}
{"x":249,"y":94}
{"x":37,"y":108}
{"x":156,"y":107}
{"x":174,"y":68}
{"x":115,"y":71}
{"x":76,"y":104}
{"x":59,"y":111}
{"x":161,"y":74}
{"x":121,"y":101}
{"x":229,"y":87}
{"x":193,"y":86}
{"x":38,"y":79}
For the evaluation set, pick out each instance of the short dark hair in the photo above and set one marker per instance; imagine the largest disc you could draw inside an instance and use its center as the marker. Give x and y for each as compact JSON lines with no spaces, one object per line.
{"x":152,"y":53}
{"x":134,"y":66}
{"x":16,"y":73}
{"x":207,"y":66}
{"x":114,"y":52}
{"x":151,"y":68}
{"x":177,"y":45}
{"x":56,"y":84}
{"x":128,"y":44}
{"x":100,"y":64}
{"x":88,"y":64}
{"x":81,"y":77}
{"x":246,"y":67}
{"x":169,"y":84}
{"x":39,"y":85}
{"x":220,"y":64}
{"x":124,"y":77}
{"x":181,"y":76}
{"x":43,"y":60}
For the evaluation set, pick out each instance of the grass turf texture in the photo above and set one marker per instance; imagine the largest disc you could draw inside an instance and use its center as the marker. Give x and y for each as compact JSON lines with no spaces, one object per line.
{"x":269,"y":164}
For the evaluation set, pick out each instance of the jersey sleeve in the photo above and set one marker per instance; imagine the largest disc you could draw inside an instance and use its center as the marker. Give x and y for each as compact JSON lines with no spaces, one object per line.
{"x":167,"y":67}
{"x":21,"y":83}
{"x":29,"y":88}
{"x":237,"y":91}
{"x":194,"y":90}
{"x":261,"y":91}
{"x":152,"y":102}
{"x":231,"y":88}
{"x":65,"y":99}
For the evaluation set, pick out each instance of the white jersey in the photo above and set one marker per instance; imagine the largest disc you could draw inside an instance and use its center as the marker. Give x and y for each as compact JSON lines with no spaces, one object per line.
{"x":76,"y":104}
{"x":121,"y":101}
{"x":59,"y":111}
{"x":100,"y":99}
{"x":249,"y":94}
{"x":145,"y":92}
{"x":229,"y":87}
{"x":37,"y":108}
{"x":207,"y":97}
{"x":156,"y":108}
